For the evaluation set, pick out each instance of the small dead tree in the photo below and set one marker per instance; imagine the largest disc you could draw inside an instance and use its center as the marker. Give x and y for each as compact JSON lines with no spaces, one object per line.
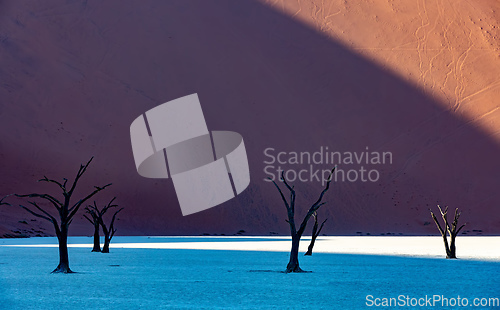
{"x":315,"y":233}
{"x":296,"y":234}
{"x":66,"y":210}
{"x":451,"y":230}
{"x":93,"y":218}
{"x":109,"y":231}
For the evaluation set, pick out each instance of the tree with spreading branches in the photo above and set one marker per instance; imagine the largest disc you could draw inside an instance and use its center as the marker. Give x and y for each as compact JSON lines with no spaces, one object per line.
{"x":66,"y":210}
{"x":451,"y":230}
{"x":315,"y":233}
{"x":108,"y":230}
{"x":296,"y":234}
{"x":93,"y":218}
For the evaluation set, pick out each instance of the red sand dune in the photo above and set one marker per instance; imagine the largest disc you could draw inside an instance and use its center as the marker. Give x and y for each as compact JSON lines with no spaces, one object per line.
{"x":418,"y":79}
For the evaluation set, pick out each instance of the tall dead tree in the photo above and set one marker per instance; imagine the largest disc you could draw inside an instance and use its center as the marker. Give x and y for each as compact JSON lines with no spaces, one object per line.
{"x":66,"y":210}
{"x":109,"y":231}
{"x":451,"y":230}
{"x":296,"y":234}
{"x":93,"y":218}
{"x":315,"y":233}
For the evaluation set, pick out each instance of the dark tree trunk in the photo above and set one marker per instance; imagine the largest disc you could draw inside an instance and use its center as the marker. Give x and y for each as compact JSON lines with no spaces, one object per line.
{"x":293,"y":264}
{"x":97,"y":243}
{"x":62,"y":237}
{"x":311,"y":245}
{"x":315,"y":233}
{"x":105,"y":248}
{"x":452,"y":252}
{"x":447,"y":247}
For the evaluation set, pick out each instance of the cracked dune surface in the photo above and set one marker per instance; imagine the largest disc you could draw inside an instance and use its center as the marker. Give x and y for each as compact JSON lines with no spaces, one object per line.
{"x":419,"y":79}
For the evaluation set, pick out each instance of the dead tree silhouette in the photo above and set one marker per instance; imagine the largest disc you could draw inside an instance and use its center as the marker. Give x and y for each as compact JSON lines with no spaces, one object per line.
{"x":296,"y":234}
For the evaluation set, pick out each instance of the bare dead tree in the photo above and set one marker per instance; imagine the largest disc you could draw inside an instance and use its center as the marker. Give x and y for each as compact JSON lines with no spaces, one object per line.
{"x":315,"y":233}
{"x":296,"y":234}
{"x":66,"y":210}
{"x":109,"y":231}
{"x":451,"y":230}
{"x":93,"y":218}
